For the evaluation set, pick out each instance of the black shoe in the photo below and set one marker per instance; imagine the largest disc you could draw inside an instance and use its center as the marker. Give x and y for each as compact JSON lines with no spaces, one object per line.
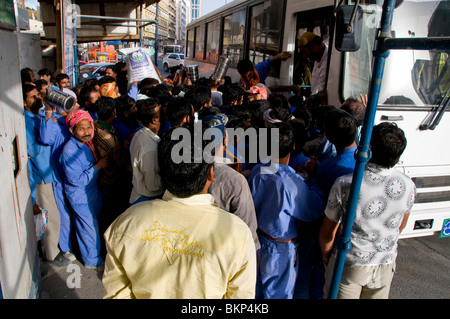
{"x":60,"y":261}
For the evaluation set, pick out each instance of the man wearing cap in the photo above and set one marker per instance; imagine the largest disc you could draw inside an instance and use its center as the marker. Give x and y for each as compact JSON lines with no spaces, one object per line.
{"x":312,"y":47}
{"x":230,"y":188}
{"x":81,"y":169}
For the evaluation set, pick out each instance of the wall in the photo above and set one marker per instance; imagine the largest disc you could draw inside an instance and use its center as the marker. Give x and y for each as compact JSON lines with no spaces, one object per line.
{"x":19,"y":269}
{"x":30,"y":52}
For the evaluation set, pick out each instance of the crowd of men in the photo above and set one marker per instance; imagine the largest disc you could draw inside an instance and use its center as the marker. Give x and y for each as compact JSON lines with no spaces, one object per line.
{"x":218,"y":225}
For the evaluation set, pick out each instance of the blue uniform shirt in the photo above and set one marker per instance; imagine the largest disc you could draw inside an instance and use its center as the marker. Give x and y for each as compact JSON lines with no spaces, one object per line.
{"x":330,"y":169}
{"x":55,"y":134}
{"x":124,"y":128}
{"x":81,"y":174}
{"x":38,"y":152}
{"x":282,"y":199}
{"x":263,"y":69}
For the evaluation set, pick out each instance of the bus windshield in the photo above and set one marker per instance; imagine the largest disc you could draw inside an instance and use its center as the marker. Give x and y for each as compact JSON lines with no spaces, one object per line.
{"x":411,"y":77}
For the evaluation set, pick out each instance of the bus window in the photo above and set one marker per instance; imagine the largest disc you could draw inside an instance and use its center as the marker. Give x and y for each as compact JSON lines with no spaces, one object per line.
{"x":199,"y":42}
{"x":265,"y":31}
{"x":212,"y":41}
{"x":233,"y":36}
{"x":190,"y":43}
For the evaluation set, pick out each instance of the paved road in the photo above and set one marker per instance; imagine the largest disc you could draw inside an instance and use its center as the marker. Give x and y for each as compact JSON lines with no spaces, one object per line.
{"x":422,"y":273}
{"x":423,"y":265}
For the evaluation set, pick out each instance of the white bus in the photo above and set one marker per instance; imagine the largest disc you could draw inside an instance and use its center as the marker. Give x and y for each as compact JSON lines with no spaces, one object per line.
{"x":172,"y":48}
{"x":413,"y":87}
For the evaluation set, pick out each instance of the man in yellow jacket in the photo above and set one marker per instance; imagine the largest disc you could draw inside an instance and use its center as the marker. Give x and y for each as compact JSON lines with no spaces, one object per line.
{"x":182,"y":246}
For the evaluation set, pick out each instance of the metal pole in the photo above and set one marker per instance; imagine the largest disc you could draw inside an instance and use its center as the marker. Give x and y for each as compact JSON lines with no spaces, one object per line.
{"x":75,"y":43}
{"x":140,"y":28}
{"x":363,"y":153}
{"x":156,"y":34}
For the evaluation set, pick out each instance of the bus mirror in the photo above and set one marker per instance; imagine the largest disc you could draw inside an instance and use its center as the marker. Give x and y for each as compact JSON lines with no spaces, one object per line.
{"x":348,"y":28}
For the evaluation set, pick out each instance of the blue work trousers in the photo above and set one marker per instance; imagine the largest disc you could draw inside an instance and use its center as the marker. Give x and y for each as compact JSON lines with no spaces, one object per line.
{"x":85,"y":215}
{"x":277,"y":269}
{"x":66,"y":233}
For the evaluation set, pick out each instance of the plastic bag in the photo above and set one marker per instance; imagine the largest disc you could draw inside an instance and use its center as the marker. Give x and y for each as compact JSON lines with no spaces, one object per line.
{"x":41,"y":221}
{"x":139,"y":64}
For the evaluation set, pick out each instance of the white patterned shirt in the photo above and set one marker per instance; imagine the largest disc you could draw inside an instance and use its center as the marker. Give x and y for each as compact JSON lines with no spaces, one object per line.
{"x":386,"y":196}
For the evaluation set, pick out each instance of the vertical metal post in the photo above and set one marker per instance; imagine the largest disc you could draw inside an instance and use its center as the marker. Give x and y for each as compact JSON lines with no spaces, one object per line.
{"x":363,"y":153}
{"x":75,"y":43}
{"x":140,"y":28}
{"x":156,"y":33}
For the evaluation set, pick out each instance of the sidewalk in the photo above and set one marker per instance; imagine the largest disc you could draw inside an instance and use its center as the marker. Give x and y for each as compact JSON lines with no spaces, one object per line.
{"x":73,"y":282}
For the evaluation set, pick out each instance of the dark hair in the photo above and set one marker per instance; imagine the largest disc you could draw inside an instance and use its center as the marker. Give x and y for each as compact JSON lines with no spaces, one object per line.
{"x":240,"y":111}
{"x":112,"y":67}
{"x":281,"y":114}
{"x":186,"y":178}
{"x":303,"y":115}
{"x":106,"y":79}
{"x":105,"y":107}
{"x":387,"y":144}
{"x":25,"y":75}
{"x":177,"y":109}
{"x":146,"y":84}
{"x":119,"y":66}
{"x":124,"y":103}
{"x":278,"y":101}
{"x":146,"y":110}
{"x":244,"y":65}
{"x":203,"y":81}
{"x":340,"y":127}
{"x":39,"y":84}
{"x":258,"y":107}
{"x":300,"y":134}
{"x":122,"y":82}
{"x":198,"y":96}
{"x":285,"y":137}
{"x":45,"y":71}
{"x":231,"y":93}
{"x":296,"y":100}
{"x":157,"y":90}
{"x":27,"y":88}
{"x":235,"y":122}
{"x":355,"y":108}
{"x":60,"y":77}
{"x":85,"y":94}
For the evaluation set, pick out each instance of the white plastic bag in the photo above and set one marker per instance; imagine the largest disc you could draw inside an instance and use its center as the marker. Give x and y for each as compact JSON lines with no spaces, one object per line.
{"x":41,"y":221}
{"x":139,"y":64}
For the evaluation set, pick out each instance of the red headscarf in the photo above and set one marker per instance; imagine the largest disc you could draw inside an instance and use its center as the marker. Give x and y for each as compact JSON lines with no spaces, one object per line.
{"x":77,"y":116}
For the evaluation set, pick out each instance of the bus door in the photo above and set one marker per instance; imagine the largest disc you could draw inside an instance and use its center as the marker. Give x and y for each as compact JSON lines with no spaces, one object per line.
{"x":320,"y":22}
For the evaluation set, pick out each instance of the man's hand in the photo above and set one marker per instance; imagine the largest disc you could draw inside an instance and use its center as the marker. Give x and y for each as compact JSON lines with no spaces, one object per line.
{"x":283,"y":56}
{"x":103,"y":162}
